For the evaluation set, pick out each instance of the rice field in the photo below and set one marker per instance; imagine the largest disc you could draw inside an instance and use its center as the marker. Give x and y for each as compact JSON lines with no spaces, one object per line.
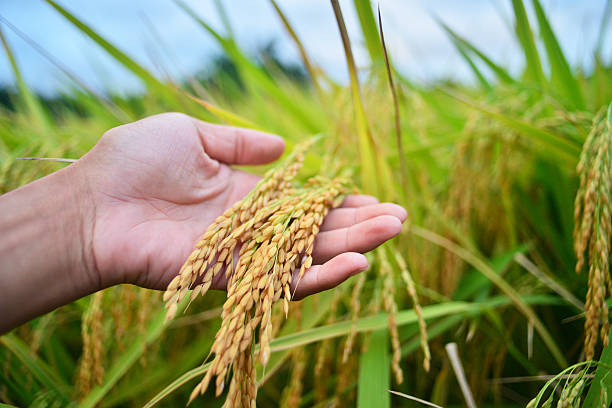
{"x":496,"y":292}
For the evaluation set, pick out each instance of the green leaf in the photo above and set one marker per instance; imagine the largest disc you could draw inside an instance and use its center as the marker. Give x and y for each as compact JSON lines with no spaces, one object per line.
{"x":369,"y":323}
{"x":605,"y":20}
{"x":224,"y":115}
{"x":364,"y":324}
{"x":313,"y":311}
{"x":95,"y":99}
{"x":374,"y":377}
{"x":166,"y":91}
{"x":39,"y":369}
{"x":176,"y":384}
{"x":435,"y":330}
{"x":483,"y":267}
{"x":602,"y":382}
{"x":533,"y":69}
{"x":33,"y":107}
{"x":127,"y":359}
{"x":563,"y":81}
{"x":373,"y":164}
{"x":225,"y":19}
{"x":396,"y":111}
{"x":257,"y":81}
{"x":304,"y":337}
{"x":367,"y":23}
{"x":479,"y":76}
{"x":473,"y":281}
{"x":500,"y":332}
{"x":464,"y":46}
{"x":310,"y":68}
{"x":111,"y":49}
{"x":550,"y":144}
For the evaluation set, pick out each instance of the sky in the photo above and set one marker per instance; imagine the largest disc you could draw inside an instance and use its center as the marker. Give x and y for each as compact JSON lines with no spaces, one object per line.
{"x":160,"y":36}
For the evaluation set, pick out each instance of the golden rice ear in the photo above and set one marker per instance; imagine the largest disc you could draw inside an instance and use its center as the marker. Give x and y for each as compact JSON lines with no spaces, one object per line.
{"x":91,"y":369}
{"x":593,"y":228}
{"x":275,"y":232}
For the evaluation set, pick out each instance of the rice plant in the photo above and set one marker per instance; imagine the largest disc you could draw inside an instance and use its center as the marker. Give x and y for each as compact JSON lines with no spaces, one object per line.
{"x":506,"y":183}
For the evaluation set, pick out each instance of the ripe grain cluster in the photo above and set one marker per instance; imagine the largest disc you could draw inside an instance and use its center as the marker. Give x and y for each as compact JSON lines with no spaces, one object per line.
{"x":593,"y":227}
{"x":262,"y":245}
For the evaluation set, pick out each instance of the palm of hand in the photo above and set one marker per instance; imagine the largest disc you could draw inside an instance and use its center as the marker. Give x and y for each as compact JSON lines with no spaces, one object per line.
{"x":157,"y":184}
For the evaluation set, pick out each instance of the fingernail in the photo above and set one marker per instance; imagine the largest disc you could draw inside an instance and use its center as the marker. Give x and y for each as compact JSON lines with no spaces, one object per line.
{"x":363,"y":265}
{"x":403,"y":214}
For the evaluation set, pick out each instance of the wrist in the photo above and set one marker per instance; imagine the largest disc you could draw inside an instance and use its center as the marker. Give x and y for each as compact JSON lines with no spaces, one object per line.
{"x":44,"y":245}
{"x":78,"y":218}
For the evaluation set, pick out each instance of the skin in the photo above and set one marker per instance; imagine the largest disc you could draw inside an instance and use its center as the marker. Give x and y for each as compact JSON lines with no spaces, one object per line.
{"x":131,"y":209}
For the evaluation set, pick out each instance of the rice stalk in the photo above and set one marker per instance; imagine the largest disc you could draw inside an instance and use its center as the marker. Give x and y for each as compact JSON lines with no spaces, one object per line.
{"x":143,"y":315}
{"x":405,"y":273}
{"x":322,"y":367}
{"x":261,"y":244}
{"x":396,"y":110}
{"x":121,"y":312}
{"x":293,"y":392}
{"x":391,"y":308}
{"x":569,"y":386}
{"x":91,"y":369}
{"x":313,"y":71}
{"x":355,"y":308}
{"x":592,"y":227}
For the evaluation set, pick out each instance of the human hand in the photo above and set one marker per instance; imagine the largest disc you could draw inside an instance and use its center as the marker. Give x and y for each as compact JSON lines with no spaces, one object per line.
{"x":155,"y":186}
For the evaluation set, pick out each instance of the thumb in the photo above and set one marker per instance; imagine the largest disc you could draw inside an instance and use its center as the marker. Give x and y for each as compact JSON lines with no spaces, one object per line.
{"x":232,"y":145}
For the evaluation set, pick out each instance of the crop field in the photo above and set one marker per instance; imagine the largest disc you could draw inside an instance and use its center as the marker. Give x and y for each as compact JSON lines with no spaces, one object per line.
{"x":495,"y":293}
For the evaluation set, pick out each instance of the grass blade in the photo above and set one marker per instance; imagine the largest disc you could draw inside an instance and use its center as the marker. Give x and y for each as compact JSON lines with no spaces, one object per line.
{"x":310,"y":68}
{"x":374,"y":377}
{"x":530,"y":267}
{"x":117,"y":54}
{"x":484,"y":268}
{"x":562,"y":79}
{"x":128,"y":358}
{"x":602,"y":383}
{"x":364,"y":324}
{"x":166,"y":91}
{"x":396,"y":111}
{"x":32,"y":105}
{"x":479,"y":76}
{"x":225,"y":19}
{"x":453,"y":355}
{"x":369,"y":30}
{"x":225,"y":115}
{"x":107,"y":103}
{"x":39,"y":369}
{"x":366,"y":143}
{"x":176,"y":384}
{"x":404,"y":317}
{"x":434,"y":330}
{"x":533,"y":69}
{"x":463,"y":44}
{"x":410,"y":397}
{"x":312,"y":315}
{"x":567,"y":151}
{"x":605,"y":20}
{"x":256,"y":80}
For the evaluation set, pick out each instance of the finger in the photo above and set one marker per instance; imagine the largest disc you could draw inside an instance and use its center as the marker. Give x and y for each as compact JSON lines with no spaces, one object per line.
{"x":234,"y":145}
{"x":358,"y":200}
{"x":361,"y":237}
{"x":332,"y":273}
{"x":345,"y":217}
